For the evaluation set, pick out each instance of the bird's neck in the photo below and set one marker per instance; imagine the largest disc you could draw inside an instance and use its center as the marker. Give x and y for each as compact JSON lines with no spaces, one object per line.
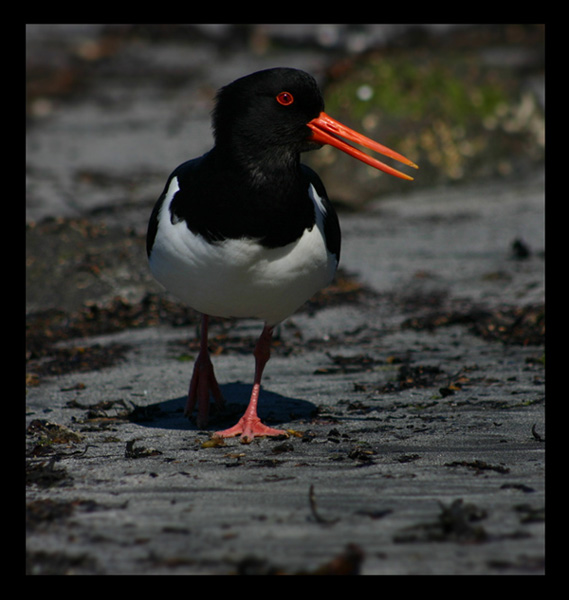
{"x":269,"y":197}
{"x":274,"y":168}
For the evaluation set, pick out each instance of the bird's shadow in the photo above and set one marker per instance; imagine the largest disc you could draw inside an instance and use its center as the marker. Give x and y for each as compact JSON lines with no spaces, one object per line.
{"x":274,"y":409}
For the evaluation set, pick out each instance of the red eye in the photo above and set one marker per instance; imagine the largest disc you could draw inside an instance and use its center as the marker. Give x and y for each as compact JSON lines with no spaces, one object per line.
{"x":285,"y":98}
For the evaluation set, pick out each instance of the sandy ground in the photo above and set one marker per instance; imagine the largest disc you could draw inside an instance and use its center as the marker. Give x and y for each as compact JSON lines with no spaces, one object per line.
{"x":401,"y":421}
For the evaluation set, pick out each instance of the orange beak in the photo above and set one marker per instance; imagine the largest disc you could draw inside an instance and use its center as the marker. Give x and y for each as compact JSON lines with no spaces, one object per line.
{"x":325,"y":129}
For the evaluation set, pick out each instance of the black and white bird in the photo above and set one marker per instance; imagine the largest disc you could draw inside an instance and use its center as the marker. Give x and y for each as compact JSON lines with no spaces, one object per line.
{"x":246,"y":230}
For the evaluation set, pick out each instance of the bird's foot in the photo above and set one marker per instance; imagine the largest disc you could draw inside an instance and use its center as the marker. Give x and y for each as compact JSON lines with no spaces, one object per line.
{"x":249,"y":427}
{"x":203,"y":384}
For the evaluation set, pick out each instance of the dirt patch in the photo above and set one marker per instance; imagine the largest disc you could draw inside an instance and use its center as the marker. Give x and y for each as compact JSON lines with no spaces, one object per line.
{"x":523,"y":325}
{"x":458,"y":522}
{"x":74,"y":262}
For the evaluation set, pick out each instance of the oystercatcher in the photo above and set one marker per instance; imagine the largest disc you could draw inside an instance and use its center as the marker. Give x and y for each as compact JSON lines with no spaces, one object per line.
{"x":246,"y":230}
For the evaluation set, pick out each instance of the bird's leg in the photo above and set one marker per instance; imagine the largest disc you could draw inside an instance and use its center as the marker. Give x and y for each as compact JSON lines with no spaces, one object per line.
{"x":203,"y":382}
{"x":250,"y":426}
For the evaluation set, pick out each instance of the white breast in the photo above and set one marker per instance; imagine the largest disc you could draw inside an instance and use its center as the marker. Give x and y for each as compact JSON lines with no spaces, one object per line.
{"x":240,"y":278}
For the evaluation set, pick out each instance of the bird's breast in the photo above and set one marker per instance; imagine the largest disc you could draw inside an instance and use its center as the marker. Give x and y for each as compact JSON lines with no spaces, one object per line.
{"x":240,"y":277}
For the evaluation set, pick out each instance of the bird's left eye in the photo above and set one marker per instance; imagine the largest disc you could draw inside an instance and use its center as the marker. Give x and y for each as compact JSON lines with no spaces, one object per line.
{"x":285,"y":98}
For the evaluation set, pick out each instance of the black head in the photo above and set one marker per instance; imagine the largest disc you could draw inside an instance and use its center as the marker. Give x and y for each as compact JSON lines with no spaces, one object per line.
{"x":270,"y":116}
{"x":268,"y":109}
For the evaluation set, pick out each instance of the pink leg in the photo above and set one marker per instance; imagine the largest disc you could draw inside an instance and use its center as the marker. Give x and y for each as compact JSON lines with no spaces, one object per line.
{"x":203,"y":382}
{"x":250,"y":426}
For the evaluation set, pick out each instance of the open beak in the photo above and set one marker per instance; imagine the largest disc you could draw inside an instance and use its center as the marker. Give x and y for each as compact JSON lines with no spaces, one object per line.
{"x":325,"y":130}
